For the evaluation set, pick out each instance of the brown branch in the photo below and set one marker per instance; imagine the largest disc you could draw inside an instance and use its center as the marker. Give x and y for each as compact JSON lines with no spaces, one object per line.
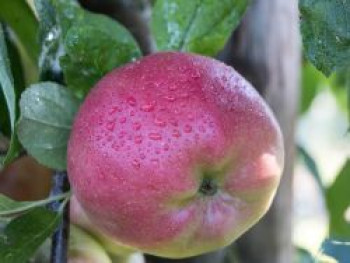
{"x":266,"y":49}
{"x":214,"y":257}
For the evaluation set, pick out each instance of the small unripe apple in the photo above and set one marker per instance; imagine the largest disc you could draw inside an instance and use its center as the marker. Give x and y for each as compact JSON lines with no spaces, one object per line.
{"x":83,"y":248}
{"x":78,"y":217}
{"x":175,"y":155}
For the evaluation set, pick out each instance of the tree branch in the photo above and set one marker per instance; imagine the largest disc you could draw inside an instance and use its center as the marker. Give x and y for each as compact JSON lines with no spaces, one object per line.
{"x":59,"y":248}
{"x":266,"y":50}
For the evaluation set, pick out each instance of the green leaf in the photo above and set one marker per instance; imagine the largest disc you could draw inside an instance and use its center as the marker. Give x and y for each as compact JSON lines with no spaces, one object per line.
{"x":23,"y":235}
{"x":13,"y":150}
{"x":325,"y":28}
{"x":56,"y":17}
{"x":311,"y":165}
{"x":198,"y":26}
{"x":338,"y":85}
{"x":19,"y":84}
{"x":21,"y":19}
{"x":93,"y":48}
{"x":6,"y":79}
{"x":9,"y":207}
{"x":87,"y":45}
{"x":67,"y":12}
{"x":47,"y":113}
{"x":348,"y":92}
{"x":8,"y":90}
{"x":312,"y":81}
{"x":338,"y":200}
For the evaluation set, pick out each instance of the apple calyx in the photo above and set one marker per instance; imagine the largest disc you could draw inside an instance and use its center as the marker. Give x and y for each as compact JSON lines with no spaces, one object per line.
{"x":208,"y":187}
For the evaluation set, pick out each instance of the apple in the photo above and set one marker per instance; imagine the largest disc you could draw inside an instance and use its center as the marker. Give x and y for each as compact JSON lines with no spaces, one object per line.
{"x":174,"y":155}
{"x":81,"y":247}
{"x":79,"y":218}
{"x":25,"y":179}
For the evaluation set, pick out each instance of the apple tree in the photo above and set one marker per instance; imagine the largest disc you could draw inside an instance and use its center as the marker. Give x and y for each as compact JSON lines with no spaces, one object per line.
{"x":52,"y":52}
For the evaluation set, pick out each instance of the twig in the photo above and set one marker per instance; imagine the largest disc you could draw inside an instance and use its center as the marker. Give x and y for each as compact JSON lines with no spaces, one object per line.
{"x":59,"y":246}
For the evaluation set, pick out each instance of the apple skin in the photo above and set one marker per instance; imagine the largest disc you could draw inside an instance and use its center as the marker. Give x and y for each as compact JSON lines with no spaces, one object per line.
{"x":175,"y":155}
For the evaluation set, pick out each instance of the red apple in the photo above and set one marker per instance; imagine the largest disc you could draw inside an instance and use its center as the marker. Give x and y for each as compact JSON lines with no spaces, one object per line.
{"x":175,"y":155}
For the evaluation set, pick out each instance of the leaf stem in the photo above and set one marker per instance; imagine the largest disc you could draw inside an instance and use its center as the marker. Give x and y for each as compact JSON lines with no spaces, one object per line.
{"x":33,"y":204}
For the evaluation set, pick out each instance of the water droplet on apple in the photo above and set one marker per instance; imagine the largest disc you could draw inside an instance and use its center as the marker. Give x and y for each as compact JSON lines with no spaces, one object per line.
{"x":172,"y":87}
{"x":195,"y":75}
{"x":187,"y":128}
{"x":166,"y":147}
{"x":110,"y":126}
{"x":138,"y":139}
{"x":136,"y":126}
{"x":184,"y":95}
{"x":159,"y":122}
{"x":122,"y":120}
{"x":174,"y":122}
{"x":190,"y":117}
{"x":114,"y":110}
{"x":148,"y":107}
{"x":182,"y":68}
{"x":176,"y":133}
{"x":131,"y":101}
{"x":136,"y":164}
{"x":155,"y":136}
{"x":155,"y":161}
{"x":170,"y":98}
{"x":115,"y":146}
{"x":122,"y":134}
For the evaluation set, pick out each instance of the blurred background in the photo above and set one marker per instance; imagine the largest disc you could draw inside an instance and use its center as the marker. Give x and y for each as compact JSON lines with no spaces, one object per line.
{"x":321,"y":174}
